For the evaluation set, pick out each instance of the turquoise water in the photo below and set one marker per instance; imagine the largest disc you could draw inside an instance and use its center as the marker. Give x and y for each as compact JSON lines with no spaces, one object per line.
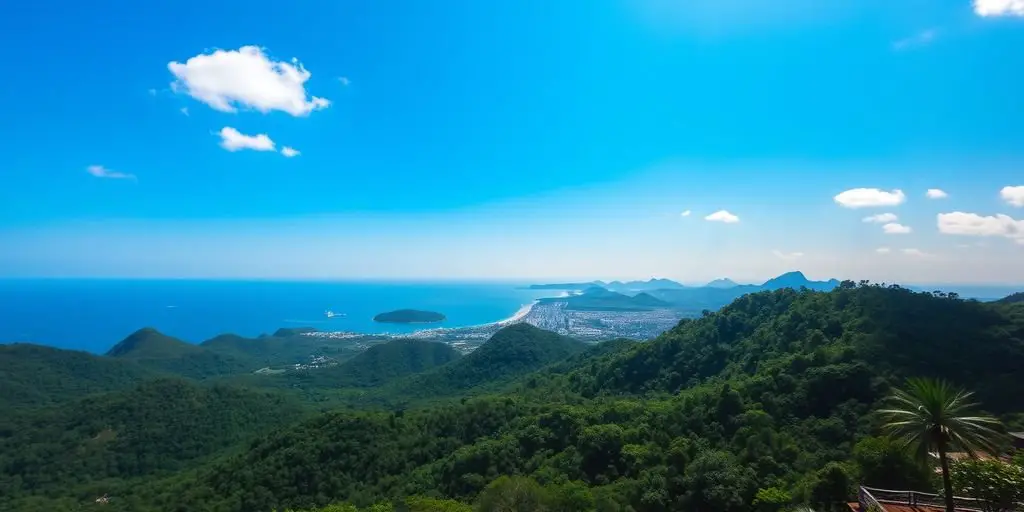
{"x":93,"y":315}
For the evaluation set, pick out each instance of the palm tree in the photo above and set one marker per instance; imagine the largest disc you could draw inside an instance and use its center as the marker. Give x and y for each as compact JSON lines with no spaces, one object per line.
{"x":932,"y":414}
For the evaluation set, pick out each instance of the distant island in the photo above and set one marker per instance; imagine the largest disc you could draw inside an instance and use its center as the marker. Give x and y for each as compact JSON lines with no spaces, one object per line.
{"x":409,"y":316}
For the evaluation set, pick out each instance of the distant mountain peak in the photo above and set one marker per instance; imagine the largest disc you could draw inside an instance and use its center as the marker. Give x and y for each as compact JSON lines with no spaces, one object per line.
{"x":796,"y":279}
{"x":149,"y":342}
{"x":724,"y":282}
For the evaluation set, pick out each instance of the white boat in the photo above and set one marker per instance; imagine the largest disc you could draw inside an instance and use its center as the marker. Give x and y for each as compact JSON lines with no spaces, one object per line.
{"x":331,"y":314}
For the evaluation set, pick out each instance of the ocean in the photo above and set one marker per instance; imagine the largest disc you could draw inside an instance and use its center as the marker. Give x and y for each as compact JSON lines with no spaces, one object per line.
{"x":94,"y":314}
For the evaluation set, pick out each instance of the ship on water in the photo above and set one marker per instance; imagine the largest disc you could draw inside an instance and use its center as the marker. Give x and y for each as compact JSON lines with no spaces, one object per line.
{"x":331,"y":314}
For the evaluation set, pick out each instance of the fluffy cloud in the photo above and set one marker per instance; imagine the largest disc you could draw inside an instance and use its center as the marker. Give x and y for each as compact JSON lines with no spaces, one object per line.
{"x":685,"y":213}
{"x":344,"y":80}
{"x":233,"y":140}
{"x":919,"y":39}
{"x":883,"y":250}
{"x":102,"y":172}
{"x":1013,"y":195}
{"x":914,"y":252}
{"x":894,"y":228}
{"x":972,"y":224}
{"x":935,"y":193}
{"x":787,"y":255}
{"x":867,"y":197}
{"x":999,"y":7}
{"x":722,"y":216}
{"x":881,"y":218}
{"x":290,"y":152}
{"x":228,"y":79}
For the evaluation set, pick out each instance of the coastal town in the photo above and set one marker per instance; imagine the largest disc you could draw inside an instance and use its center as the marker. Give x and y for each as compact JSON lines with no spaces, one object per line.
{"x":552,"y":314}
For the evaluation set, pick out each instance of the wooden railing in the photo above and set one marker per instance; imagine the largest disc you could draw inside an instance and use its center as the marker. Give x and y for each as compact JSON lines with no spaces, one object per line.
{"x":871,"y":496}
{"x":867,"y":501}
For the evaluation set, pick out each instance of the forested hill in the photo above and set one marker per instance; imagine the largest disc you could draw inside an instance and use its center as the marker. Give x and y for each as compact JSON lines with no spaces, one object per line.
{"x":1015,"y":298}
{"x":511,"y":352}
{"x":772,"y":396}
{"x":155,"y":350}
{"x":375,"y":366}
{"x":286,"y":346}
{"x":771,"y":392}
{"x":34,"y":375}
{"x":865,"y":333}
{"x":397,"y":358}
{"x":159,"y":426}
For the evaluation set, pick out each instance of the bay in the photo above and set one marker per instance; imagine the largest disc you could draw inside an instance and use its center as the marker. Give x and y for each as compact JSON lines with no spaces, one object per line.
{"x":94,"y":314}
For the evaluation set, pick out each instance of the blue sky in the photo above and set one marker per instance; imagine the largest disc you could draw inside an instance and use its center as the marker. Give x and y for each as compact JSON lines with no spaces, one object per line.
{"x":513,"y":139}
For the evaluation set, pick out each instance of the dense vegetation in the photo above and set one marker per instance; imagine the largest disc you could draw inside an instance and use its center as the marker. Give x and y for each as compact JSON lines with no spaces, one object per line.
{"x":375,"y":366}
{"x":161,"y":426}
{"x":36,"y":375}
{"x":512,"y":352}
{"x":1015,"y":298}
{"x":152,"y":349}
{"x":764,"y":404}
{"x":409,"y":316}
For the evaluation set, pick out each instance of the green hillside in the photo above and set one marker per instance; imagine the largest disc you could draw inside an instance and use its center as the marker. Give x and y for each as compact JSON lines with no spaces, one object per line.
{"x":391,"y":360}
{"x":1014,"y":298}
{"x":511,"y":352}
{"x":33,"y":375}
{"x":772,"y":396}
{"x":285,"y":347}
{"x":374,"y":366}
{"x":869,"y":331}
{"x":152,"y":349}
{"x":89,"y":447}
{"x":596,"y":298}
{"x":764,"y":394}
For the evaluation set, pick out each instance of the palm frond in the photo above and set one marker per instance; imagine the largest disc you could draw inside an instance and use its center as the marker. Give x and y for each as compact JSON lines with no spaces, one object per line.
{"x":928,"y":412}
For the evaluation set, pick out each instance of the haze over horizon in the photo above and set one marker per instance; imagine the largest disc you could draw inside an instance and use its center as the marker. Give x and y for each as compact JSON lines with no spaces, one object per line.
{"x":619,"y":139}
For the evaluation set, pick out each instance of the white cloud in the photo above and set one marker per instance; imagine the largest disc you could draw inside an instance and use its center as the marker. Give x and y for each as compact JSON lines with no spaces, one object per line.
{"x":787,"y":255}
{"x":915,"y":252}
{"x":290,"y":152}
{"x":894,"y":228}
{"x":102,"y":172}
{"x":919,"y":39}
{"x":228,"y":79}
{"x":972,"y":224}
{"x":722,"y":216}
{"x":867,"y":197}
{"x":999,"y":7}
{"x":883,"y":250}
{"x":935,"y":193}
{"x":184,"y":110}
{"x":685,"y":213}
{"x":1013,"y":195}
{"x":344,"y":80}
{"x":881,"y":218}
{"x":233,"y":140}
{"x":152,"y":92}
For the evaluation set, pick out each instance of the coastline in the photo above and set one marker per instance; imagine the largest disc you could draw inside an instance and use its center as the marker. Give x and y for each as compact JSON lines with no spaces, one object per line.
{"x":516,"y":317}
{"x":519,"y":315}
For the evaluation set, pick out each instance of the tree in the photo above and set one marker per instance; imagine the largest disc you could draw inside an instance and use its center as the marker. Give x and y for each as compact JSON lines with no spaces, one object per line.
{"x":512,"y":494}
{"x":771,"y":499}
{"x":1000,"y":484}
{"x":932,"y":414}
{"x":884,"y":462}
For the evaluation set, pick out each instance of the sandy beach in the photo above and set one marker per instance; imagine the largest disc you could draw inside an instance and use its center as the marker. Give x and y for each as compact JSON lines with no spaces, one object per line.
{"x":519,"y":315}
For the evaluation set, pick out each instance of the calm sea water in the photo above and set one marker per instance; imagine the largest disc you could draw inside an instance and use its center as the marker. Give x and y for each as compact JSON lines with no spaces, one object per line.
{"x":93,"y":315}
